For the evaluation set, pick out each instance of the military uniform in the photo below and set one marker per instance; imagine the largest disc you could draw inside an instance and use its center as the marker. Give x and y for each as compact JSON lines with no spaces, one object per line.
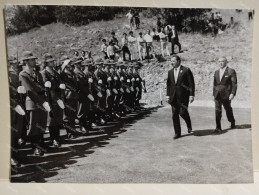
{"x":35,"y":90}
{"x":70,"y":98}
{"x":55,"y":117}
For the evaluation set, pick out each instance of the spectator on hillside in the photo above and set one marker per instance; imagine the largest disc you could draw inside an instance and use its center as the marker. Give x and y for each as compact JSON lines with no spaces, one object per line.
{"x":104,"y":48}
{"x":141,"y":46}
{"x":76,"y":54}
{"x":89,"y":56}
{"x":136,"y":18}
{"x":155,"y":35}
{"x":149,"y":40}
{"x":83,"y":55}
{"x":250,"y":15}
{"x":174,"y":39}
{"x":132,"y":45}
{"x":159,"y":23}
{"x":111,"y":51}
{"x":164,"y":45}
{"x":130,"y":18}
{"x":114,"y":39}
{"x":125,"y":48}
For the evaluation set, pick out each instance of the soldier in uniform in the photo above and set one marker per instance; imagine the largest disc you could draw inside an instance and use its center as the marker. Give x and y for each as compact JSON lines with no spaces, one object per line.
{"x":85,"y":96}
{"x":70,"y":98}
{"x":36,"y":105}
{"x":17,"y":109}
{"x":54,"y":88}
{"x":126,"y":86}
{"x":138,"y":85}
{"x":102,"y":86}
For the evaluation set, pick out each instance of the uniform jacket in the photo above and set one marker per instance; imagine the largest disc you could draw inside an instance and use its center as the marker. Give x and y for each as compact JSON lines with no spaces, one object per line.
{"x":34,"y":86}
{"x":83,"y":85}
{"x":227,"y":85}
{"x":71,"y":91}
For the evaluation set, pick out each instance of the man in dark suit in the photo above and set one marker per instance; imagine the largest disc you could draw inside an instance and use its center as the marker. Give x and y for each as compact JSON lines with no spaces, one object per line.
{"x":180,"y":91}
{"x":224,"y":91}
{"x":174,"y":39}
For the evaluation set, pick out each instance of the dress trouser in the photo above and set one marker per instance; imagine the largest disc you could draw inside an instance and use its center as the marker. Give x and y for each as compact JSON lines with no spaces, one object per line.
{"x":175,"y":42}
{"x":125,"y":50}
{"x":181,"y":109}
{"x":70,"y":114}
{"x":218,"y":111}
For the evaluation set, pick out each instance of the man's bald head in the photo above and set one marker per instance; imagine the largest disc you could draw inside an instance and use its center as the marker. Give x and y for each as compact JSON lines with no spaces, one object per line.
{"x":223,"y":62}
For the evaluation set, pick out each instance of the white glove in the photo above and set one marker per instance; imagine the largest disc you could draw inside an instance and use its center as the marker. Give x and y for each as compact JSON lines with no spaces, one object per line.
{"x":100,"y":81}
{"x":132,"y":79}
{"x":132,"y":89}
{"x":137,"y":79}
{"x":109,"y":79}
{"x":46,"y":106}
{"x":115,"y":91}
{"x":108,"y":92}
{"x":90,"y":80}
{"x":21,"y":90}
{"x":127,"y":90}
{"x":122,"y":79}
{"x":19,"y":110}
{"x":121,"y":89}
{"x":47,"y":84}
{"x":61,"y":104}
{"x":100,"y":94}
{"x":128,"y":80}
{"x":137,"y":88}
{"x":90,"y":97}
{"x":62,"y":86}
{"x":115,"y":78}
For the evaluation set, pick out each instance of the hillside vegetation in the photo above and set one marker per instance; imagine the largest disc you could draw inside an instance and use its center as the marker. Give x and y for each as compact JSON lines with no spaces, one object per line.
{"x":201,"y":51}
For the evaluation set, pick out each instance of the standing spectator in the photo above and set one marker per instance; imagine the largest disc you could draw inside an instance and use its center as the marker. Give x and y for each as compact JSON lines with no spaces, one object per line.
{"x":250,"y":15}
{"x":125,"y":48}
{"x":83,"y":55}
{"x":89,"y":56}
{"x":149,"y":40}
{"x":155,"y":35}
{"x":141,"y":46}
{"x":164,"y":45}
{"x":110,"y":51}
{"x":104,"y":48}
{"x":114,"y":39}
{"x":173,"y":38}
{"x":132,"y":45}
{"x":76,"y":54}
{"x":159,"y":23}
{"x":130,"y":18}
{"x":137,"y":21}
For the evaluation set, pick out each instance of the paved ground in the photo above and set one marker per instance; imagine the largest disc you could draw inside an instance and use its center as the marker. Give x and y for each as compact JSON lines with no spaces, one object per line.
{"x":140,"y":149}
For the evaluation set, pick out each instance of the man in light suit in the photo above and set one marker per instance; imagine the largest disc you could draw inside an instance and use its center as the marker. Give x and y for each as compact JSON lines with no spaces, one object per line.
{"x":180,"y":91}
{"x":224,"y":91}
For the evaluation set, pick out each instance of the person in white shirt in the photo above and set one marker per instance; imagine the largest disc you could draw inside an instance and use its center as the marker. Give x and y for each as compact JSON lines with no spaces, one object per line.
{"x":164,"y":43}
{"x":132,"y":45}
{"x":110,"y":51}
{"x":141,"y":46}
{"x":130,"y":18}
{"x":104,"y":48}
{"x":149,"y":40}
{"x":125,"y":48}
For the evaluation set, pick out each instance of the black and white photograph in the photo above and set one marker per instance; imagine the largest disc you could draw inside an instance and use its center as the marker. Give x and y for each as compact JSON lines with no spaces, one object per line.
{"x":103,"y":94}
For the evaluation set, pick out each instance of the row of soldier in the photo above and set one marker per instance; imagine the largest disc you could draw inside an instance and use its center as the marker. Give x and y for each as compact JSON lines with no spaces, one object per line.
{"x":81,"y":93}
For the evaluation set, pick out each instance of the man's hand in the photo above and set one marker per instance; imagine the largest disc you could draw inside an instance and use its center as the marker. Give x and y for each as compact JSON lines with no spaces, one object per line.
{"x":19,"y":110}
{"x":167,"y":98}
{"x":231,"y":97}
{"x":61,"y":104}
{"x":46,"y":106}
{"x":191,"y":99}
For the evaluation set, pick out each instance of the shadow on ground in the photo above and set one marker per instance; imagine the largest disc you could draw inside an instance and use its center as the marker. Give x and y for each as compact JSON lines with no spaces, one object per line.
{"x":37,"y":169}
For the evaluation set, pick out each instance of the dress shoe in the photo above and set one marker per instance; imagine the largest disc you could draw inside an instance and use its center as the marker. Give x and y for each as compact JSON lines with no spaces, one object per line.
{"x":102,"y":121}
{"x":189,"y":130}
{"x":15,"y":163}
{"x":38,"y":152}
{"x":94,"y":125}
{"x":83,"y":130}
{"x":233,"y":125}
{"x":177,"y":136}
{"x":21,"y":142}
{"x":56,"y":144}
{"x":71,"y":136}
{"x":217,"y":130}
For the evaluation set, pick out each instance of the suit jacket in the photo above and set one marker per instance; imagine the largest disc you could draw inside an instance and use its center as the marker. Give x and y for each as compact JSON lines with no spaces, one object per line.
{"x":227,"y":85}
{"x":34,"y":86}
{"x":170,"y":39}
{"x":183,"y":88}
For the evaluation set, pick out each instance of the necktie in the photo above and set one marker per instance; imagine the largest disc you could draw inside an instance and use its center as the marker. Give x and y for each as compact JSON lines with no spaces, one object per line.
{"x":175,"y":74}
